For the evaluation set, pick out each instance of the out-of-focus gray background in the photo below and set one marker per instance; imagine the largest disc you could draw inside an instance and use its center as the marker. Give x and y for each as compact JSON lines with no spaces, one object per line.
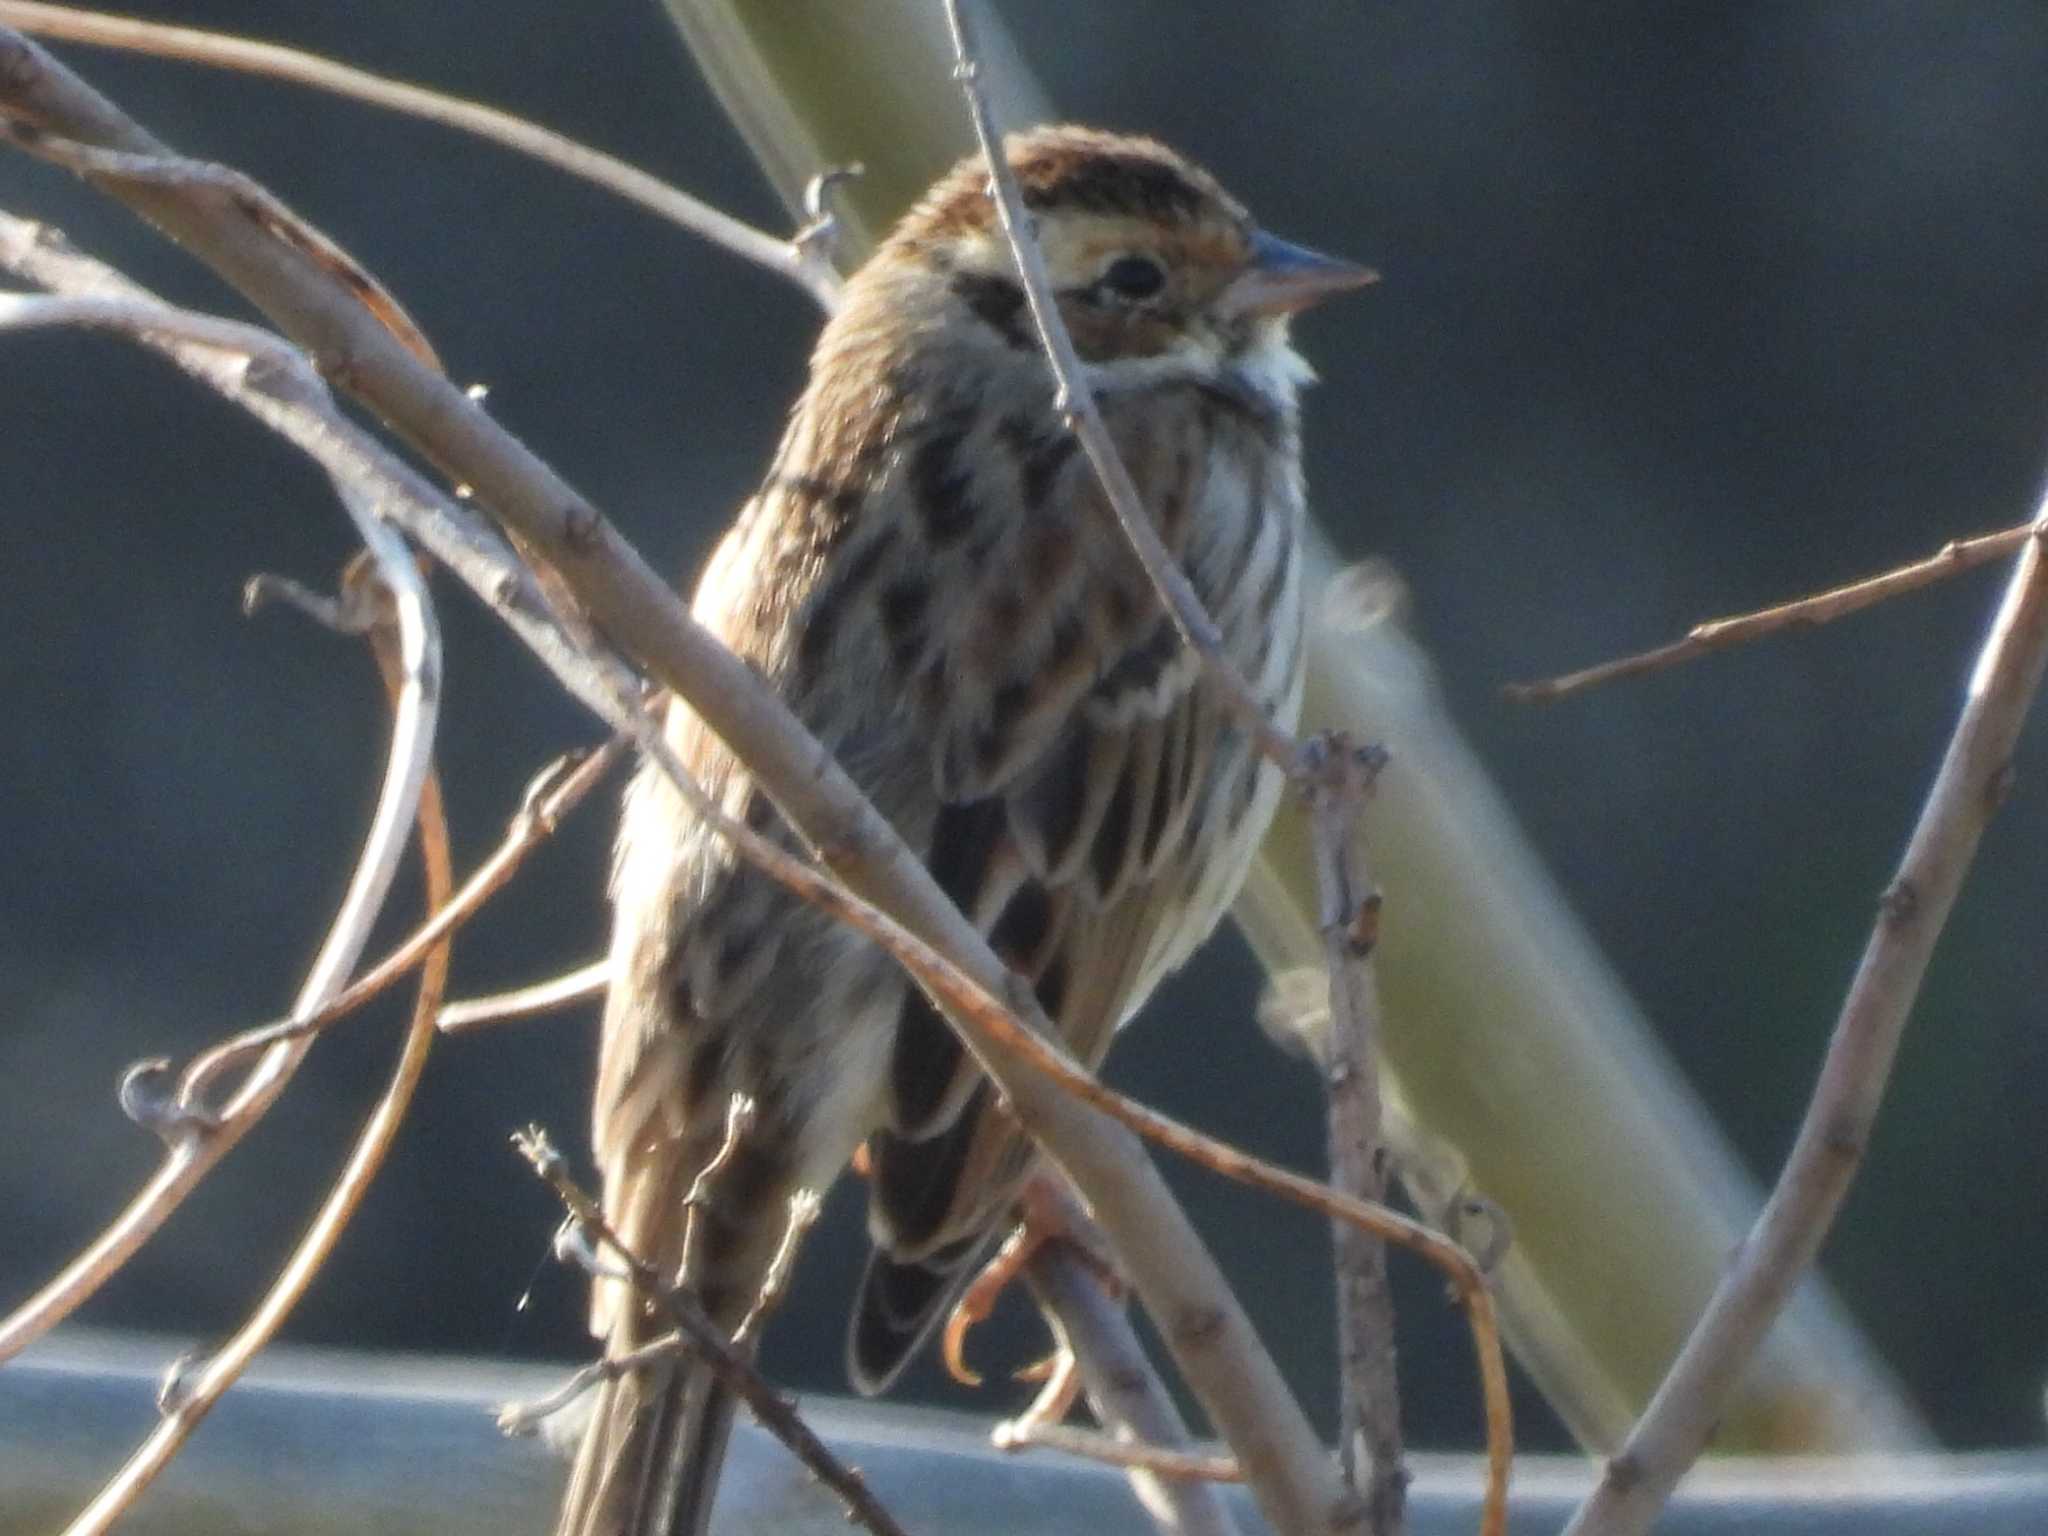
{"x":1685,"y":310}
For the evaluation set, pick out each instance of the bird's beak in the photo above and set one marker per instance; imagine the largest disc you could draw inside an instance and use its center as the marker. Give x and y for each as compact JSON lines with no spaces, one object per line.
{"x":1285,"y":278}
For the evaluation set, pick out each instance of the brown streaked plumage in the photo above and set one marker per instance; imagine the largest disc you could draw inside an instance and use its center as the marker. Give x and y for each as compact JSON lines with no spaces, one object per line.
{"x":929,"y":577}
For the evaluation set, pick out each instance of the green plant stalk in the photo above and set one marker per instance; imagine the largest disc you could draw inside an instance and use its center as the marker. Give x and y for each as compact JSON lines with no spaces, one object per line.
{"x":1516,"y":1061}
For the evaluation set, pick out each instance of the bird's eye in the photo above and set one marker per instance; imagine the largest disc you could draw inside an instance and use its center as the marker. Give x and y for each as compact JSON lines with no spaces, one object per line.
{"x":1134,"y":277}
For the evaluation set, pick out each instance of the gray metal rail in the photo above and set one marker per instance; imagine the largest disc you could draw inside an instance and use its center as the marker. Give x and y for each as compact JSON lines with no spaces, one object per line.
{"x":321,"y":1441}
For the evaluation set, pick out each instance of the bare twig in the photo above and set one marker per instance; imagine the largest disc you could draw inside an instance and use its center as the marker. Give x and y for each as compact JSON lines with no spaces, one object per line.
{"x":1178,"y":1471}
{"x":734,"y":1370}
{"x":1125,"y":1392}
{"x":1952,"y":559}
{"x":563,"y":991}
{"x":526,"y":1418}
{"x":786,"y":258}
{"x":1975,"y":773}
{"x":1337,"y":778}
{"x":804,"y":1206}
{"x":193,"y":1388}
{"x":1076,"y":405}
{"x":739,"y":1120}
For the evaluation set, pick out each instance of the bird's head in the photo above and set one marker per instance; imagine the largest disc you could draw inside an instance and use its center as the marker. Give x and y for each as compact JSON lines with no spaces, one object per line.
{"x":1159,"y":273}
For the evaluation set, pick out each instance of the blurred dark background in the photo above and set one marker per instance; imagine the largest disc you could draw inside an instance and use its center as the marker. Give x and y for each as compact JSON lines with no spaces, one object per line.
{"x":1686,"y":309}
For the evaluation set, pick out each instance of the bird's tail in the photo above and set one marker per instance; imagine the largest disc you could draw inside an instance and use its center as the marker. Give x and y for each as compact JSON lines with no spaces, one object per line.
{"x":650,"y":1458}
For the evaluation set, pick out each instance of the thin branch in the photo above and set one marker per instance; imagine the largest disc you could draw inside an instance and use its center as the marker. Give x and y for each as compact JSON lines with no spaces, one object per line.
{"x":1975,"y":773}
{"x":734,"y":1370}
{"x":1952,"y":559}
{"x":1366,"y":1308}
{"x":804,"y":1206}
{"x":1338,"y":778}
{"x":526,"y":1418}
{"x":1076,"y":405}
{"x":203,"y":1140}
{"x":198,"y":1387}
{"x":556,"y":992}
{"x":1129,"y":1400}
{"x":1179,"y":1470}
{"x":786,"y":258}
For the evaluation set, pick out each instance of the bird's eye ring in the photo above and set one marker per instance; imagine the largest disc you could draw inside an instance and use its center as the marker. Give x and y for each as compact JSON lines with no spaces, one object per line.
{"x":1134,"y":277}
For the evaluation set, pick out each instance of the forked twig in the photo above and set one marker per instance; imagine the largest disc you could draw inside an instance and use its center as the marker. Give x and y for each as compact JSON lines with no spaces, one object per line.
{"x":785,"y":258}
{"x":1952,"y":559}
{"x":1975,"y":773}
{"x":734,"y":1370}
{"x":195,"y":1388}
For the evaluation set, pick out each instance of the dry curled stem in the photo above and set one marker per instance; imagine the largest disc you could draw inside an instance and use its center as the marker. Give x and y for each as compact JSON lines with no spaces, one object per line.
{"x":193,"y":1386}
{"x":198,"y":1136}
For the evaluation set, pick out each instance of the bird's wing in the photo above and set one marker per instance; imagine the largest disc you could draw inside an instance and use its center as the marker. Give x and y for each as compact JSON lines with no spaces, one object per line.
{"x":1080,"y":757}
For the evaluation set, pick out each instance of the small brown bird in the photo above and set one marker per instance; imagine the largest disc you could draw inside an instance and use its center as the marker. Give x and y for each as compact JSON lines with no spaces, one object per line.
{"x":930,"y":578}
